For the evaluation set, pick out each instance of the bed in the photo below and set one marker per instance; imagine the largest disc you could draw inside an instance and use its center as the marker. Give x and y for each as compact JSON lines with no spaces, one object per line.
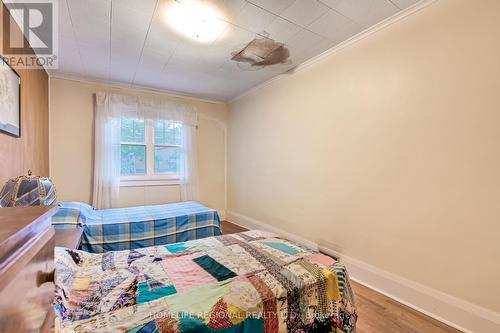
{"x":136,"y":227}
{"x":248,"y":282}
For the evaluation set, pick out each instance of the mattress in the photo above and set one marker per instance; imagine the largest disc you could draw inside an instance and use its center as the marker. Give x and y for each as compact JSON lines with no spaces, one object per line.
{"x":136,"y":227}
{"x":248,"y":282}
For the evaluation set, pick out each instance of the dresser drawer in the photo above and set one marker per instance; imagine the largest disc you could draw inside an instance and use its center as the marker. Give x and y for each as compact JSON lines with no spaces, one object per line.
{"x":25,"y":299}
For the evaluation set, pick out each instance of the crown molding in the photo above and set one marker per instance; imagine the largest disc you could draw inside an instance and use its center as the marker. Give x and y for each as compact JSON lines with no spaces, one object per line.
{"x":363,"y":34}
{"x":121,"y":85}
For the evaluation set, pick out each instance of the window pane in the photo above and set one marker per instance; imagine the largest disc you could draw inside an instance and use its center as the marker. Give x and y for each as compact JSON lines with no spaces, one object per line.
{"x":167,"y":159}
{"x":132,"y":130}
{"x":159,"y":132}
{"x":133,"y":160}
{"x":168,"y":132}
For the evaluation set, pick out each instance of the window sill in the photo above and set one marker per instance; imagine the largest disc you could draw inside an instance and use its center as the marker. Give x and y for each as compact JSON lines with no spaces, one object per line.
{"x":145,"y":181}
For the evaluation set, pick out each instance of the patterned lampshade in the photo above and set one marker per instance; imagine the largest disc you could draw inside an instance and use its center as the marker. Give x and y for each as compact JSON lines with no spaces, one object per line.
{"x":28,"y":191}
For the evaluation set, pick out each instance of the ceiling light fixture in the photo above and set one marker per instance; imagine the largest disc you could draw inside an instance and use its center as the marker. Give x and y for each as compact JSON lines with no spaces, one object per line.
{"x":195,"y":20}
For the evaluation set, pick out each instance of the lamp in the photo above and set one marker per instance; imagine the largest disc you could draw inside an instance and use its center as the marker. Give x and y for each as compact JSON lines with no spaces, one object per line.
{"x":28,"y":191}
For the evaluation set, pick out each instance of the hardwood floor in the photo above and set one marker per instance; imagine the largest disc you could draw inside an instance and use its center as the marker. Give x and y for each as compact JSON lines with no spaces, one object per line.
{"x":230,"y":228}
{"x":381,"y":314}
{"x":378,"y":313}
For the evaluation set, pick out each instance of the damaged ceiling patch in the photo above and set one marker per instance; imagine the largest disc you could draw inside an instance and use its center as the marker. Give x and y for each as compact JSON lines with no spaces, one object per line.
{"x":262,"y":52}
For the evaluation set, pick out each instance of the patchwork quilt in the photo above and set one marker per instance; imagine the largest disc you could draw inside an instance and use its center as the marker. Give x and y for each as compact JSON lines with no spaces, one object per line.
{"x":249,"y":282}
{"x":136,"y":227}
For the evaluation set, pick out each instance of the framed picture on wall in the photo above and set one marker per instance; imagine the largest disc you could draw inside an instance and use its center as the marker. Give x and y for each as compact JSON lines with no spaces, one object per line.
{"x":10,"y":100}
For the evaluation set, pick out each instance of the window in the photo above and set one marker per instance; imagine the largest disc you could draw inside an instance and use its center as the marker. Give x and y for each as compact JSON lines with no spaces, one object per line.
{"x":150,"y":151}
{"x":167,"y":145}
{"x":133,"y":147}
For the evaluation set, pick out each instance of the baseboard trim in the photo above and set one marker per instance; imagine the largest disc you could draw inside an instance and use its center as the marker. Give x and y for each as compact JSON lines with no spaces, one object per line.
{"x":453,"y":311}
{"x":250,"y":223}
{"x":222,"y":214}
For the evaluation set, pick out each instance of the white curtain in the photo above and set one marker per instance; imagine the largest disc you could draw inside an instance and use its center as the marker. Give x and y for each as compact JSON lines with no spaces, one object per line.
{"x":106,"y":153}
{"x":110,"y":109}
{"x":189,"y":165}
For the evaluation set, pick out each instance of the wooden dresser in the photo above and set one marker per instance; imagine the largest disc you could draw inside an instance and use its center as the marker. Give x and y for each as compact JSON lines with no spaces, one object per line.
{"x":26,"y":269}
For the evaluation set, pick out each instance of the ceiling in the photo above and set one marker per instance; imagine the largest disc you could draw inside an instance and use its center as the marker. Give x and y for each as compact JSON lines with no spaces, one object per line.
{"x":129,"y":41}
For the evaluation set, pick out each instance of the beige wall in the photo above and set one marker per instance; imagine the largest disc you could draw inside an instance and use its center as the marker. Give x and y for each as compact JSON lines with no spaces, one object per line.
{"x":388,"y":150}
{"x":71,"y":147}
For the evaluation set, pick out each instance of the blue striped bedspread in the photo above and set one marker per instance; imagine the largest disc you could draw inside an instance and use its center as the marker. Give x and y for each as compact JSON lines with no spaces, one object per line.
{"x":137,"y":227}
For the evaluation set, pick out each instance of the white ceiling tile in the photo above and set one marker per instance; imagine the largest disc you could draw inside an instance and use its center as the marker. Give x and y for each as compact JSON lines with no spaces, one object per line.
{"x":322,"y":46}
{"x":306,"y":54}
{"x":68,"y":45}
{"x":148,"y":79}
{"x":221,"y":49}
{"x":95,"y":60}
{"x":152,"y":59}
{"x":329,"y":22}
{"x":145,"y":6}
{"x":227,"y":9}
{"x":334,"y":26}
{"x":165,"y":49}
{"x":346,"y":33}
{"x":238,"y":80}
{"x":97,"y":34}
{"x":91,"y":21}
{"x":122,"y":76}
{"x":161,"y":39}
{"x":130,"y":46}
{"x":254,"y":18}
{"x":93,"y":53}
{"x":403,"y":4}
{"x":122,"y":67}
{"x":304,"y":12}
{"x":186,"y":55}
{"x":88,"y":12}
{"x":238,"y":75}
{"x":304,"y":40}
{"x":161,"y":10}
{"x":213,"y":57}
{"x":364,"y":12}
{"x":125,"y":56}
{"x":231,"y":67}
{"x":281,"y":30}
{"x":150,"y":68}
{"x":68,"y":67}
{"x":190,"y":48}
{"x":177,"y":76}
{"x":69,"y":59}
{"x":65,"y":25}
{"x":234,"y":38}
{"x":96,"y":73}
{"x":132,"y":22}
{"x":274,"y":6}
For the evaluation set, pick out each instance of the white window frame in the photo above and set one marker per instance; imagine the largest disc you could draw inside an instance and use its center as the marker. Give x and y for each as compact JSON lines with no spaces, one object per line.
{"x":150,"y":178}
